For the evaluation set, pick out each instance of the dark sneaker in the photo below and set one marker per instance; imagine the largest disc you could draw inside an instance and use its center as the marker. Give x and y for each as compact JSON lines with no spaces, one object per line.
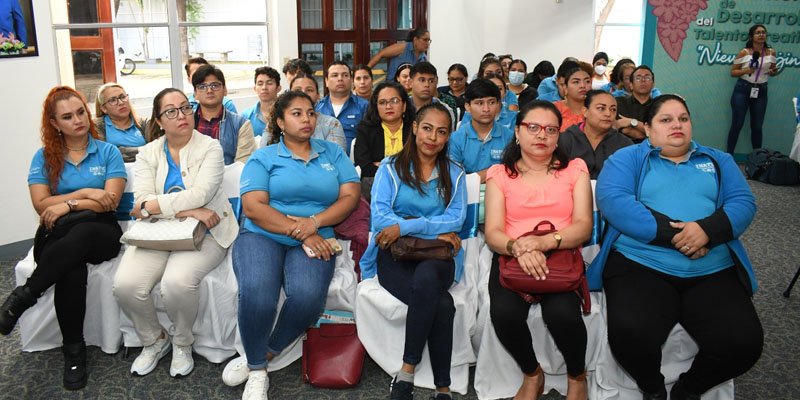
{"x":442,"y":396}
{"x":75,"y":374}
{"x":401,"y":390}
{"x":16,"y":303}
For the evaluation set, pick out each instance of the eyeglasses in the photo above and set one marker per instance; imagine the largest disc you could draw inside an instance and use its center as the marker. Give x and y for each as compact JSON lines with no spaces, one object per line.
{"x":213,"y":86}
{"x":393,"y":101}
{"x":534,"y":128}
{"x":645,"y":78}
{"x":759,"y":33}
{"x":115,"y":101}
{"x":456,"y":80}
{"x":426,"y":40}
{"x":172,"y":113}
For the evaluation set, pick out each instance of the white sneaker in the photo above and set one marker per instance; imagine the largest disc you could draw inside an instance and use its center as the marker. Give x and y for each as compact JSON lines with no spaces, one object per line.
{"x":257,"y":385}
{"x":182,"y":361}
{"x":236,"y":372}
{"x":147,"y":360}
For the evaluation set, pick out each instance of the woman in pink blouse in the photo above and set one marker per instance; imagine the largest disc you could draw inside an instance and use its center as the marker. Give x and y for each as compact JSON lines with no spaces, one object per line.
{"x":534,"y":183}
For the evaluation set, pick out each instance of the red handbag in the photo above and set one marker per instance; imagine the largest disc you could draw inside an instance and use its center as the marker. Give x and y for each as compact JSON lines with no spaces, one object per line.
{"x":566,"y":273}
{"x":333,"y":357}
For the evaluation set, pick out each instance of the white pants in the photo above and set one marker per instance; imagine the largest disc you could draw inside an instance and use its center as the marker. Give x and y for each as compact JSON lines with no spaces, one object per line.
{"x":180,"y":273}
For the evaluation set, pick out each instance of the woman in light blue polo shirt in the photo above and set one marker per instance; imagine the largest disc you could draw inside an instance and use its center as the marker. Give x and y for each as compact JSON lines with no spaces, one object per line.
{"x":75,"y":182}
{"x":420,"y":192}
{"x":293,"y":192}
{"x":117,"y":122}
{"x":412,"y":51}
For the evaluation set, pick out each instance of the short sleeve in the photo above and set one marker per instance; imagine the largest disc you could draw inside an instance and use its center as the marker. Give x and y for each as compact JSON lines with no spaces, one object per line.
{"x":37,"y":174}
{"x":255,"y":174}
{"x":574,"y":169}
{"x":344,"y":167}
{"x":115,"y":167}
{"x":497,"y":173}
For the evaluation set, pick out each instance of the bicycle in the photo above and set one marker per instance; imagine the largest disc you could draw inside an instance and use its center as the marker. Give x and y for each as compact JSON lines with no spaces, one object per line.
{"x":127,"y":65}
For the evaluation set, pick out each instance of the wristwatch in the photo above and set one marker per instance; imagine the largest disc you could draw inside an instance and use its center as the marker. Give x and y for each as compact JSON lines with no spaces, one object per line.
{"x":73,"y":204}
{"x":510,"y":246}
{"x":634,"y":122}
{"x":145,"y":213}
{"x":557,"y":237}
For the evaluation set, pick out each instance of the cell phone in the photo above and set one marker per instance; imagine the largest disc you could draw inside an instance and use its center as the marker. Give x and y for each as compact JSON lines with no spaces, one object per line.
{"x":337,"y":248}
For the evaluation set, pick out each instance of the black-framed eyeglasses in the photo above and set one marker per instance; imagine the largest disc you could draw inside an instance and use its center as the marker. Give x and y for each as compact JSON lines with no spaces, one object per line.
{"x":215,"y":86}
{"x":393,"y":101}
{"x":458,"y":80}
{"x":534,"y":128}
{"x":172,"y":113}
{"x":115,"y":101}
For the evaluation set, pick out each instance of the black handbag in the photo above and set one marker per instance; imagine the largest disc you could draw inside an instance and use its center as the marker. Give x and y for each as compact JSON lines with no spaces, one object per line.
{"x":62,"y":226}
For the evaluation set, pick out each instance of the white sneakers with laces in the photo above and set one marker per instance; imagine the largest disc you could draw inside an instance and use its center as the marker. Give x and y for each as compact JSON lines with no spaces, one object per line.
{"x":236,"y":372}
{"x":147,"y":360}
{"x":182,"y":361}
{"x":257,"y":385}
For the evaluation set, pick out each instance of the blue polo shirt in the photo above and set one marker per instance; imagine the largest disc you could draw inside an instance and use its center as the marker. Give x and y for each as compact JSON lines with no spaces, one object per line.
{"x":254,"y":115}
{"x":128,"y":137}
{"x":101,"y":162}
{"x":297,"y":187}
{"x":473,"y":153}
{"x":226,"y":102}
{"x":510,"y":100}
{"x":406,"y":57}
{"x":697,"y":178}
{"x":352,"y":111}
{"x":548,"y":89}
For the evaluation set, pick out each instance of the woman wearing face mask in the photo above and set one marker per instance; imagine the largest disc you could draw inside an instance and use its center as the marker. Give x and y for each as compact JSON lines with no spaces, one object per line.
{"x":516,"y":77}
{"x":600,"y":63}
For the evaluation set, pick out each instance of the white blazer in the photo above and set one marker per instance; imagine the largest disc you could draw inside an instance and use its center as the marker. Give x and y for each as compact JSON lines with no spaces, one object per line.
{"x":202,"y":169}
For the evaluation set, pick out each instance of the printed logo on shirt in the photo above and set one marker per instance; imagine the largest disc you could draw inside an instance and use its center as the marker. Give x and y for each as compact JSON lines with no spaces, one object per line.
{"x":706,"y":167}
{"x":328,"y":166}
{"x":245,"y":182}
{"x":497,"y":154}
{"x":351,"y":116}
{"x":97,"y":170}
{"x":35,"y":170}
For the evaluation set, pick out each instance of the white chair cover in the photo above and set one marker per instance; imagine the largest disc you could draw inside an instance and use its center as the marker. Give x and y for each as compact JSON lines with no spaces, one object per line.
{"x":613,"y":383}
{"x":381,"y":318}
{"x":38,"y":326}
{"x":341,"y":296}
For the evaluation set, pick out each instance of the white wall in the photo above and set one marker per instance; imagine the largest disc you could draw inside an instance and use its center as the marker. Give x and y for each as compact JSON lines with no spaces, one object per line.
{"x":26,"y":82}
{"x":282,"y":37}
{"x":464,"y":30}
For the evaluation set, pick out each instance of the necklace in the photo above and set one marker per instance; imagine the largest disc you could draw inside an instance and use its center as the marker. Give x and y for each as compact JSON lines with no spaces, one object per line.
{"x":80,"y":149}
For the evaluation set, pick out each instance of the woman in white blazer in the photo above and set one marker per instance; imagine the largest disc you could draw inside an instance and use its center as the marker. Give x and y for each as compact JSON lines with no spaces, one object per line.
{"x":177,"y":175}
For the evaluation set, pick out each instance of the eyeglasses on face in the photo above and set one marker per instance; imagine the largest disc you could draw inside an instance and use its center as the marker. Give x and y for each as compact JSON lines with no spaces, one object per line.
{"x":534,"y":128}
{"x":114,"y":101}
{"x":393,"y":101}
{"x":426,"y":40}
{"x":172,"y":113}
{"x":455,"y":80}
{"x":644,"y":78}
{"x":213,"y":86}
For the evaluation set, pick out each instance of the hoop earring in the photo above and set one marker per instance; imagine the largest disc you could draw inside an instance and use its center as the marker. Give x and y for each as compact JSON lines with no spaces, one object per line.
{"x":516,"y":140}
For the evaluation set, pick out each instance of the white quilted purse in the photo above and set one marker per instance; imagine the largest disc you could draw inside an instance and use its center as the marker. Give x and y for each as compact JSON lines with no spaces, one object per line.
{"x":168,"y":234}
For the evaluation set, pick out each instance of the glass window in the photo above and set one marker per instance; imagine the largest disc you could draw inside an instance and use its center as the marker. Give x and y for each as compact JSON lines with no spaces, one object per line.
{"x":620,"y":42}
{"x":378,"y":14}
{"x":217,"y":10}
{"x":343,"y":15}
{"x":312,"y":54}
{"x":311,"y":14}
{"x":133,"y":11}
{"x":620,"y":11}
{"x":379,"y":68}
{"x":343,"y":52}
{"x":83,"y":12}
{"x":405,"y":12}
{"x":234,"y":49}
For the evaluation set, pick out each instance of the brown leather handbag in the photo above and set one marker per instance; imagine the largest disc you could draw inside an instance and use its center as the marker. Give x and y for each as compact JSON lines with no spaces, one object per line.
{"x":409,"y":248}
{"x":566,"y":273}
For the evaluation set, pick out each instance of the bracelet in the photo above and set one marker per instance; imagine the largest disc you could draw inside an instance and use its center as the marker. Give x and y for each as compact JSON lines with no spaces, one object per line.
{"x":316,"y":223}
{"x":510,"y":246}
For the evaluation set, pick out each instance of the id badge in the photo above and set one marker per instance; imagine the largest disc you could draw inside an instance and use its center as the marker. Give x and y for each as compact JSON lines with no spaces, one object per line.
{"x":754,"y":93}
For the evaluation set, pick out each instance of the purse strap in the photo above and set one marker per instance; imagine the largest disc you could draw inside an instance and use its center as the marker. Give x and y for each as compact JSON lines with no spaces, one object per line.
{"x":545,"y":222}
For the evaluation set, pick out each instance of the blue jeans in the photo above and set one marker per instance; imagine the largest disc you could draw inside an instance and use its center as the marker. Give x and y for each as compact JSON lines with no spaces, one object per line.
{"x":423,"y":287}
{"x":740,"y":102}
{"x":262,"y":266}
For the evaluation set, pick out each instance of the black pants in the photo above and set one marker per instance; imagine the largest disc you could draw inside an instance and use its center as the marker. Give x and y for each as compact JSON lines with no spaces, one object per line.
{"x":423,"y":287}
{"x":62,"y":262}
{"x":561,"y":313}
{"x":644,"y":305}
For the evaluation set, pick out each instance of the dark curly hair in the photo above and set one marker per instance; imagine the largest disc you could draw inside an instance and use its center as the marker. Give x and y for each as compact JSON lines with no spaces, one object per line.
{"x":278,"y":111}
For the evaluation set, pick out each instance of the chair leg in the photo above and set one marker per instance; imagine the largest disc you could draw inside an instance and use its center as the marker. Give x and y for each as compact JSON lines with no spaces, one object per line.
{"x":125,"y":352}
{"x":791,"y":284}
